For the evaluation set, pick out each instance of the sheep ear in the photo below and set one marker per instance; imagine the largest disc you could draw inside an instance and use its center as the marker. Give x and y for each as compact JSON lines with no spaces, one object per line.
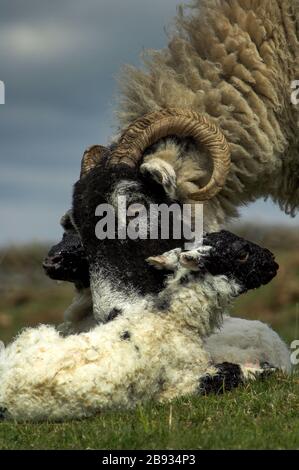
{"x":66,"y":221}
{"x":162,"y":173}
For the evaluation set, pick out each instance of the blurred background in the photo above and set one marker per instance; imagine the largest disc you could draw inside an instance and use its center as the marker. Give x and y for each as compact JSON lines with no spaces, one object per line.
{"x":59,"y":60}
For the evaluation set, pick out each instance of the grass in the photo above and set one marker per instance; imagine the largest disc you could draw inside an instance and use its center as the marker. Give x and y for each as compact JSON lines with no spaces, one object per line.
{"x":262,"y":415}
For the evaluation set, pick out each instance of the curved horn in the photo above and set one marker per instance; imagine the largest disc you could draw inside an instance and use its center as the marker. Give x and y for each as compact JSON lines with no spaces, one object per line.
{"x":92,"y":156}
{"x":147,"y":130}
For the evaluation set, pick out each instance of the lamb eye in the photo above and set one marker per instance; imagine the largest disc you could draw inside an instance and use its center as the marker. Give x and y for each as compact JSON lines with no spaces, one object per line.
{"x":243,"y":256}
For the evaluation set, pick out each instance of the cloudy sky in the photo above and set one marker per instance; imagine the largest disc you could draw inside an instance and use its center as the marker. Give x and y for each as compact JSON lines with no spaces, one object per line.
{"x":59,"y":61}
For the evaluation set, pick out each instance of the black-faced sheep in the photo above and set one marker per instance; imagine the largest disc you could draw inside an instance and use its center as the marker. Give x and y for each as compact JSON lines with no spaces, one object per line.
{"x":210,"y":118}
{"x":153,"y":349}
{"x":121,"y":276}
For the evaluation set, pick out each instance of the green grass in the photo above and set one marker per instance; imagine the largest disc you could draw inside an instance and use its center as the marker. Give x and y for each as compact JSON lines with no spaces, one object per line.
{"x":262,"y":415}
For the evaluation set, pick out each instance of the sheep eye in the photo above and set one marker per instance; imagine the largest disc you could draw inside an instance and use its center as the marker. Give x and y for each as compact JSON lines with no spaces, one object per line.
{"x":243,"y":256}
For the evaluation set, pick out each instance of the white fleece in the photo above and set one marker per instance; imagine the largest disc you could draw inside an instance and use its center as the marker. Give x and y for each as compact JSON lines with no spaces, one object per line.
{"x":144,"y":353}
{"x":243,"y":342}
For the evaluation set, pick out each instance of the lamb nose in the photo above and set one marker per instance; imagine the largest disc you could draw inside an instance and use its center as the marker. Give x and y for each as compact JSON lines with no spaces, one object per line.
{"x":51,"y":261}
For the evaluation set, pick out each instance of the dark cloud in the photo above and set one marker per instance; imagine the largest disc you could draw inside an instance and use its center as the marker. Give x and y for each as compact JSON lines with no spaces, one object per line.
{"x":59,"y":61}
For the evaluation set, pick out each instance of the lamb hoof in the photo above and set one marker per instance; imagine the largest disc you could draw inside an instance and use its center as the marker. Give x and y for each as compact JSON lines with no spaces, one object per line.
{"x":258,"y":371}
{"x":227,"y":377}
{"x":268,"y":369}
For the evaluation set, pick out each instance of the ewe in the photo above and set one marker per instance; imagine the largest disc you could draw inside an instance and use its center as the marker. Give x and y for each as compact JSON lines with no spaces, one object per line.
{"x":152,"y":349}
{"x":228,"y":73}
{"x":210,"y":118}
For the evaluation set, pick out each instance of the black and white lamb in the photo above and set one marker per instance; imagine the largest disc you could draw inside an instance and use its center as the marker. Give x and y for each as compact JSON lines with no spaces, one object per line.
{"x":153,"y":349}
{"x":237,"y":340}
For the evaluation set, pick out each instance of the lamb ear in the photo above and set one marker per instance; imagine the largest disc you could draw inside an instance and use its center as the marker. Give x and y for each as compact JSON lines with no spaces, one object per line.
{"x":158,"y":262}
{"x":162,"y":173}
{"x":168,"y":261}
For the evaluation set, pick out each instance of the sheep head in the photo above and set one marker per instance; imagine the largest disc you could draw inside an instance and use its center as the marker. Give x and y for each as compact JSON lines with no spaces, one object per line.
{"x":107,"y":173}
{"x":224,"y":253}
{"x":122,"y":259}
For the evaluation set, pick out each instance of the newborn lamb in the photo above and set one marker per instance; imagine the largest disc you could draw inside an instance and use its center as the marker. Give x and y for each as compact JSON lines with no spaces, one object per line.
{"x":153,"y":351}
{"x":237,"y":341}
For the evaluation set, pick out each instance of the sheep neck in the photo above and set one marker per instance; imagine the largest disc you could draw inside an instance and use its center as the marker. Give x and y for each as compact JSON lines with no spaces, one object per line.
{"x":190,"y":300}
{"x":195,"y":302}
{"x":109,"y":295}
